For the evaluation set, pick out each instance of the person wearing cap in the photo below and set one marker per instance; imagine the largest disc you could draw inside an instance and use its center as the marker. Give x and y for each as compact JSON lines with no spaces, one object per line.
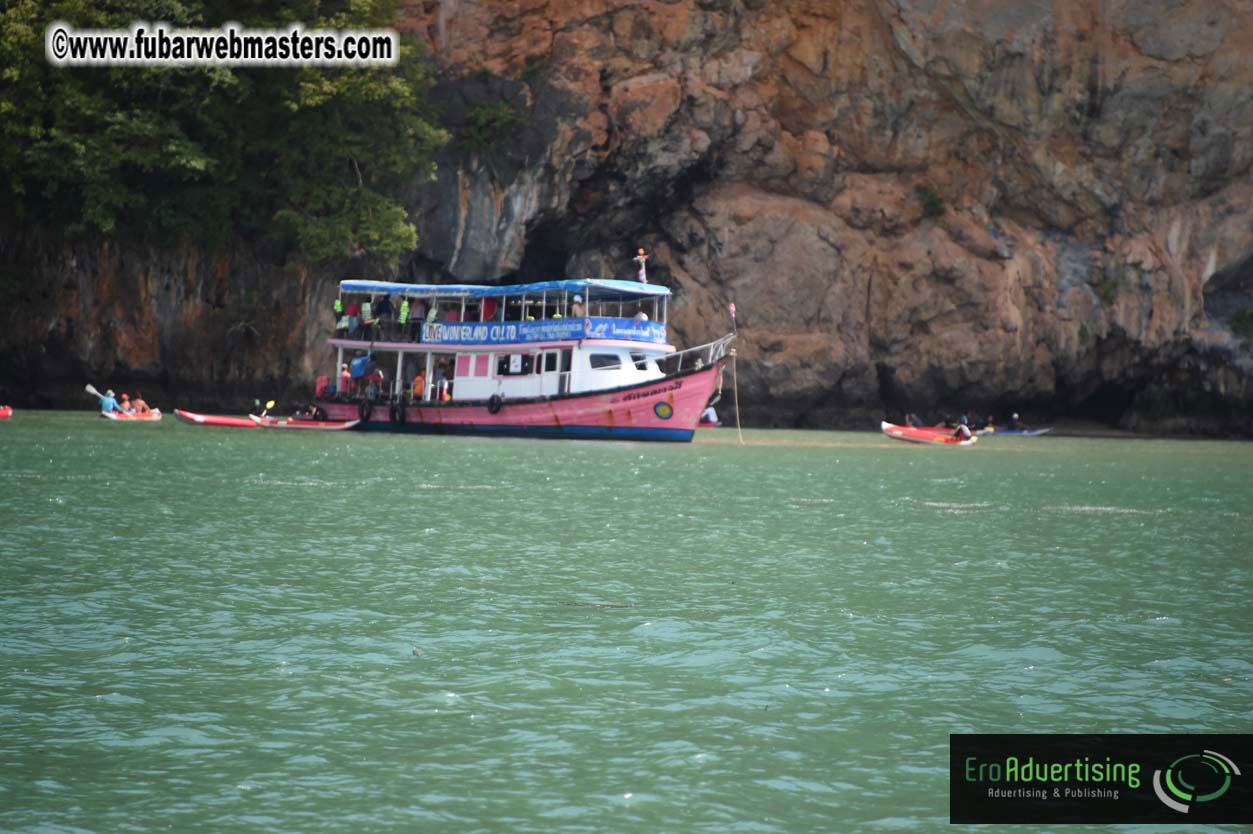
{"x":108,"y":403}
{"x":125,"y":403}
{"x":963,"y":429}
{"x":1015,"y":424}
{"x":577,"y":309}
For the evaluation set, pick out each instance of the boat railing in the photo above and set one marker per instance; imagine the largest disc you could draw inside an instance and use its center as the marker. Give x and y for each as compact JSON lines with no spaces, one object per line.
{"x":471,"y":332}
{"x":696,"y":357}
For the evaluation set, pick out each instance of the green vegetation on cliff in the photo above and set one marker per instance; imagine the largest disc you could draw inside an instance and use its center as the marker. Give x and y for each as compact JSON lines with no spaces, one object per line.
{"x":316,"y":159}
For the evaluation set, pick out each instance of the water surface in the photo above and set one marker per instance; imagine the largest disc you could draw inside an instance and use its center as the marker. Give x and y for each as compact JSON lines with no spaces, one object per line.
{"x":217,"y":629}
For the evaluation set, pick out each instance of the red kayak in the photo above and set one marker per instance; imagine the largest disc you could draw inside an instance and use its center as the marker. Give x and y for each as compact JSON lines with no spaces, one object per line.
{"x":306,"y":425}
{"x":193,"y":419}
{"x":155,"y":414}
{"x":6,"y":411}
{"x":937,"y":437}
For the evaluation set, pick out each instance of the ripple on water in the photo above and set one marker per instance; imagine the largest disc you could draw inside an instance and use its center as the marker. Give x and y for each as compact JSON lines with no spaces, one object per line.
{"x":374,"y":633}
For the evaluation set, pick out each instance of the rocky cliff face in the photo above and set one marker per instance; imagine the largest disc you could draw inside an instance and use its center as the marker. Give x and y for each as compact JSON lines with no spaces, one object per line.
{"x":922,"y":204}
{"x":912,"y":202}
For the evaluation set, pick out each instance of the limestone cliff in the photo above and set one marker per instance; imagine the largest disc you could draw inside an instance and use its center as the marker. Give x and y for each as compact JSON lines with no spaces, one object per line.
{"x":914,"y":203}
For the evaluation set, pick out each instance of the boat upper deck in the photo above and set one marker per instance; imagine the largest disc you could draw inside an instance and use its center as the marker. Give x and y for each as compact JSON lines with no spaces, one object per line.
{"x":468,"y":314}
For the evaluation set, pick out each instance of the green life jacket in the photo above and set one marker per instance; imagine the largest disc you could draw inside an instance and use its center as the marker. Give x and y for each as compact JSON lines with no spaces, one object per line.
{"x":339,"y":306}
{"x":404,"y":310}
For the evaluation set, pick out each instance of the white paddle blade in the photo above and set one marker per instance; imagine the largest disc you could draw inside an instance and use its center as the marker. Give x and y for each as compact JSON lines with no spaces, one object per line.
{"x":91,"y":389}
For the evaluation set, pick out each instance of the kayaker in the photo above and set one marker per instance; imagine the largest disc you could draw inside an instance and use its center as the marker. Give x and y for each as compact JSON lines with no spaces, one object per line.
{"x":125,"y":403}
{"x":1015,"y":424}
{"x":108,"y":403}
{"x":139,"y":405}
{"x":963,"y":429}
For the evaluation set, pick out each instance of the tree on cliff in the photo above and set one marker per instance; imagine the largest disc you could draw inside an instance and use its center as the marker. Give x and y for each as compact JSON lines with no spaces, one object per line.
{"x":316,"y":159}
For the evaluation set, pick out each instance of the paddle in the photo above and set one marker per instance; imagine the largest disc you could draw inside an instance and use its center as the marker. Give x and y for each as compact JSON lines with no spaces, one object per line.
{"x":268,"y":405}
{"x":91,"y":389}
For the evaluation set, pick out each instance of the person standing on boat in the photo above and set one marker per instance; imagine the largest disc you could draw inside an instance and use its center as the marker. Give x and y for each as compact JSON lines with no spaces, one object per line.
{"x":963,"y":429}
{"x":359,"y":369}
{"x":642,"y":274}
{"x":577,"y":309}
{"x":345,"y":379}
{"x":441,"y":382}
{"x":108,"y":403}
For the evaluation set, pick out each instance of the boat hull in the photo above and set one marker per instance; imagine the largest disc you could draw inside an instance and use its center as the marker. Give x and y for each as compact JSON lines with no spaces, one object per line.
{"x":302,"y":425}
{"x":1015,"y":432}
{"x":6,"y":411}
{"x":193,"y":419}
{"x":928,"y":436}
{"x":155,"y":414}
{"x":664,"y":410}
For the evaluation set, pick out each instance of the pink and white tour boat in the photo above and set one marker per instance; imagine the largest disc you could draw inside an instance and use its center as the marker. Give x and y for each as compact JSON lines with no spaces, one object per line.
{"x":584,"y":358}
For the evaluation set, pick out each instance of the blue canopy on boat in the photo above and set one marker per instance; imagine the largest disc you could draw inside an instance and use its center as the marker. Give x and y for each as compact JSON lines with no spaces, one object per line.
{"x":599,"y":288}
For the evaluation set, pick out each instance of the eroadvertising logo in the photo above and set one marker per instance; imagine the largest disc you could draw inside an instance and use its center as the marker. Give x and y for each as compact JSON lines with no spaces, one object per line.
{"x":1072,"y":778}
{"x":1210,"y":773}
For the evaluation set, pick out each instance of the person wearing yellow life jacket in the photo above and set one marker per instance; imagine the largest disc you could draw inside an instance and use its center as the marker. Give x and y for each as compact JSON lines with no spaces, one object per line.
{"x":402,"y":317}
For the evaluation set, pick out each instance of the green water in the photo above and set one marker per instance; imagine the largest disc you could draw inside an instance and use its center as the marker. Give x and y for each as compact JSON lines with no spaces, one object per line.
{"x":232,"y":630}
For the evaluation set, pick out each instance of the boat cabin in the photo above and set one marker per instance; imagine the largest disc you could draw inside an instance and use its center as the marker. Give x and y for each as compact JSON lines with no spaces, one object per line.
{"x":460,"y":342}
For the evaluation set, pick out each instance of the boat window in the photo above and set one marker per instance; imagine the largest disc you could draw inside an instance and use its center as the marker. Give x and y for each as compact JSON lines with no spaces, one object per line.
{"x":640,"y":360}
{"x":550,"y":361}
{"x":513,"y":364}
{"x":604,"y":361}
